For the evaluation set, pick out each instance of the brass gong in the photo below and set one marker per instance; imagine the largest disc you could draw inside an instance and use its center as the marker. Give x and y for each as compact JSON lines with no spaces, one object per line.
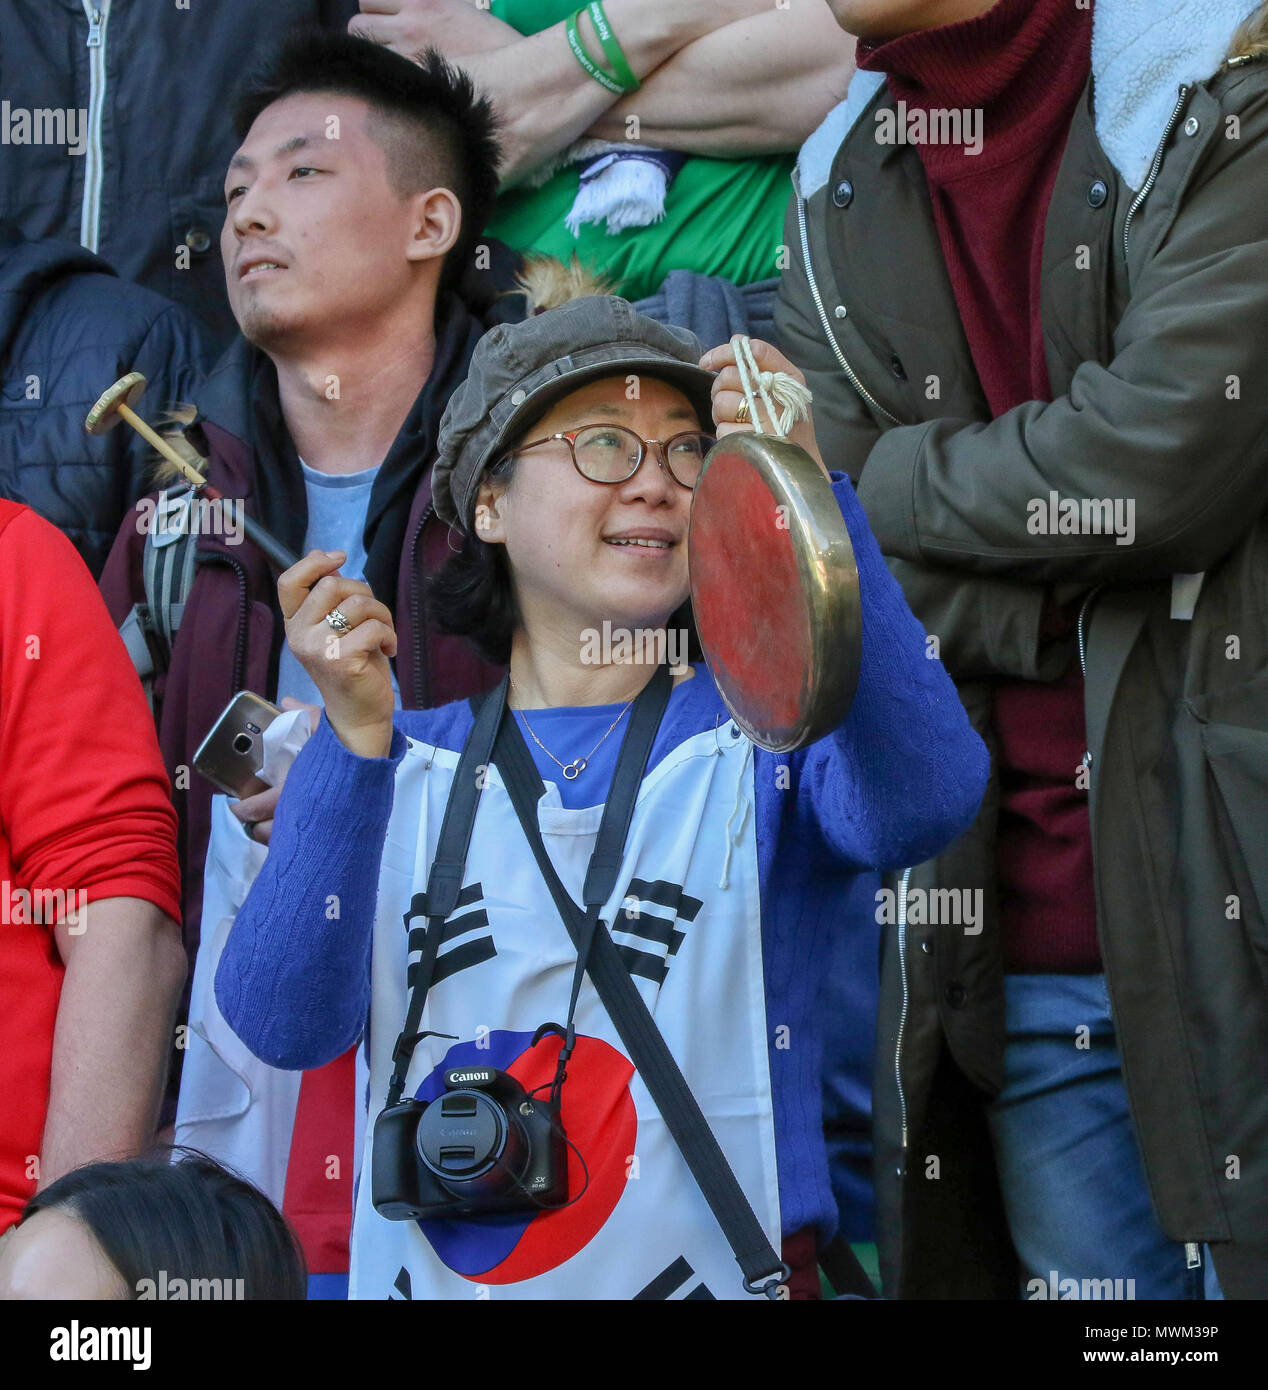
{"x":775,"y":590}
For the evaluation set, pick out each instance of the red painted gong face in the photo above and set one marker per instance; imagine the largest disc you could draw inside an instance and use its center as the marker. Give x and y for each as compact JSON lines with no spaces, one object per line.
{"x":775,"y":590}
{"x":746,"y":589}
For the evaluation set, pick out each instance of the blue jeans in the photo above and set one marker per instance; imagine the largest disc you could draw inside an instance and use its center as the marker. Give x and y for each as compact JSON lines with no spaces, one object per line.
{"x":1074,"y":1188}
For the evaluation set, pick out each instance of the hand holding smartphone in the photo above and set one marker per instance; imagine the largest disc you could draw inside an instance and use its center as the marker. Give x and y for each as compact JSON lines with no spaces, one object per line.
{"x":232,"y":754}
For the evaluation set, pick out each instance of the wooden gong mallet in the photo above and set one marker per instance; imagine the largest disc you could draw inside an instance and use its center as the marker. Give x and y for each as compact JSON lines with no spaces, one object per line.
{"x":116,"y":404}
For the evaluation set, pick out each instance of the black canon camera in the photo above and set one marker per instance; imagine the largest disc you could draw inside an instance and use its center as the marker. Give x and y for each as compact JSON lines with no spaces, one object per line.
{"x":484,"y":1148}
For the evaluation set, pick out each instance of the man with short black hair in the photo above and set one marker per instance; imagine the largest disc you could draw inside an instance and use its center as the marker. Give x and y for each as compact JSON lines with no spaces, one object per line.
{"x":353,"y":203}
{"x":435,"y":133}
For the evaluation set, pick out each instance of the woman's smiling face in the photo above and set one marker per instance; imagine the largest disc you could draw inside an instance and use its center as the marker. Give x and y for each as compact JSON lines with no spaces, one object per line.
{"x":582,"y":552}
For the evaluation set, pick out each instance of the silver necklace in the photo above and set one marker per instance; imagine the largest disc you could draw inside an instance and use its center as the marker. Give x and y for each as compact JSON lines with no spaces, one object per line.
{"x":574,"y":769}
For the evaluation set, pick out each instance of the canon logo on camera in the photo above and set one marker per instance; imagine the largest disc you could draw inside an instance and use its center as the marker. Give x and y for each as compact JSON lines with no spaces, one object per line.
{"x":458,"y":1078}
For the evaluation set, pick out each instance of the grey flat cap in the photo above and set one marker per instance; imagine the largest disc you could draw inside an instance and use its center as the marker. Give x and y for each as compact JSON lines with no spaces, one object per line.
{"x":519,"y":370}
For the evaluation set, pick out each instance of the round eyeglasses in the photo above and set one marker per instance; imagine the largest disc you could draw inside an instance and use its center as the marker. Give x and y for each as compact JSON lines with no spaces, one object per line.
{"x":613,"y":454}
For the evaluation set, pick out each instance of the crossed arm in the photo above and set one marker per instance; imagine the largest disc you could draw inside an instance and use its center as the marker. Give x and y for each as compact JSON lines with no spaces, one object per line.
{"x":726,"y":78}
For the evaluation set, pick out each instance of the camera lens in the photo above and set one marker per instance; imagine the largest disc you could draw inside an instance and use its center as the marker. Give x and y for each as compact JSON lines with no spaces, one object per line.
{"x":469,"y":1140}
{"x":242,"y":743}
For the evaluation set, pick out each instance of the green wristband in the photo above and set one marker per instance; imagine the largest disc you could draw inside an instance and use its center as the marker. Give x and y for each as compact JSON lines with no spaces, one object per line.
{"x":612,"y":50}
{"x":592,"y":69}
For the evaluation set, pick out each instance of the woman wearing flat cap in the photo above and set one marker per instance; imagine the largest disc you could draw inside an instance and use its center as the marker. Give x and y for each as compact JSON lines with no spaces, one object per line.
{"x":567,"y":462}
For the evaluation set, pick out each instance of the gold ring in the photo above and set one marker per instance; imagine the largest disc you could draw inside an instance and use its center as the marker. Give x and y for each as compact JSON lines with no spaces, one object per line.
{"x":741,"y":415}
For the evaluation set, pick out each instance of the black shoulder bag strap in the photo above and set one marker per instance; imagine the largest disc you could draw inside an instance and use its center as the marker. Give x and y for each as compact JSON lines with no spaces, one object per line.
{"x":763,"y":1270}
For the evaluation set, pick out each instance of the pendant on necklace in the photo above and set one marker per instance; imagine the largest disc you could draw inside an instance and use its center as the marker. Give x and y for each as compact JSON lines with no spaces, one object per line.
{"x":575,"y":769}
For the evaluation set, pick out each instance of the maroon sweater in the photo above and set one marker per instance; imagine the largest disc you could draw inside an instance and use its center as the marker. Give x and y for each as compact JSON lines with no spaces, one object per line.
{"x":1021,"y":69}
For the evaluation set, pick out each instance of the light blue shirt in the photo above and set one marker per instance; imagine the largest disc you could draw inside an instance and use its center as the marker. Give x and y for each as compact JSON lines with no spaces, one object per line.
{"x":337,"y":508}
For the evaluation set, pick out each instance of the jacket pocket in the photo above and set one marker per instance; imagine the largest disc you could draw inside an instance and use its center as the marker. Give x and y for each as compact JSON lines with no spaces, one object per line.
{"x":1238,"y":759}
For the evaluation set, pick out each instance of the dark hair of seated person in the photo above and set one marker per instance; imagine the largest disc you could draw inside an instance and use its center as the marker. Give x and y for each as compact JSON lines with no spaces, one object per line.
{"x":190,"y":1219}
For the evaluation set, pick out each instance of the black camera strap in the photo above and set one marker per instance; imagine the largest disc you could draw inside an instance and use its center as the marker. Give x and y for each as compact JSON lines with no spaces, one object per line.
{"x":444,"y":883}
{"x":763,"y":1269}
{"x":614,"y":826}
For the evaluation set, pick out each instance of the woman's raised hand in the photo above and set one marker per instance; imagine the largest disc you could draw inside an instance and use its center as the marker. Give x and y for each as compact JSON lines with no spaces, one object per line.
{"x":728,"y":393}
{"x":350,"y":668}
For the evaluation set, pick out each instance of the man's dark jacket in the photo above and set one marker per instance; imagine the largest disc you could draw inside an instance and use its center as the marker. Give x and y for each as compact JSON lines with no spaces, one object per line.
{"x":155,"y":81}
{"x":69,"y":328}
{"x":1154,"y":297}
{"x":231,"y":635}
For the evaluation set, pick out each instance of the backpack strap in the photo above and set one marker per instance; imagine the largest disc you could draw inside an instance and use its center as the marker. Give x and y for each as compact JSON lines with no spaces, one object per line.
{"x":167,"y":573}
{"x":168,"y":566}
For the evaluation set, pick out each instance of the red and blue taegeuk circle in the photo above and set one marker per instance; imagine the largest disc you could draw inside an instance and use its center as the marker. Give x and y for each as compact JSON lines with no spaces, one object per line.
{"x":599,"y":1118}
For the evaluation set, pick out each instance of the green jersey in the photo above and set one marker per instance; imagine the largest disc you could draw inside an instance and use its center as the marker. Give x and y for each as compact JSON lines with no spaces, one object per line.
{"x":722,"y":216}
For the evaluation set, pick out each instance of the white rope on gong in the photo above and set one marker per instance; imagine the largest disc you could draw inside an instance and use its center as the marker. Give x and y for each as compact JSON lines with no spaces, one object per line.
{"x":774,"y":388}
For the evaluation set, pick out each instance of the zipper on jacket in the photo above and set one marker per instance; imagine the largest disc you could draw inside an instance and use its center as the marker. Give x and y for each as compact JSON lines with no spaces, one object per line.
{"x":902,"y":1013}
{"x":244,"y":620}
{"x":1082,"y":634}
{"x":421,"y":693}
{"x":1192,"y":1254}
{"x":244,"y":613}
{"x":827,"y":327}
{"x":1152,"y":177}
{"x":98,"y":13}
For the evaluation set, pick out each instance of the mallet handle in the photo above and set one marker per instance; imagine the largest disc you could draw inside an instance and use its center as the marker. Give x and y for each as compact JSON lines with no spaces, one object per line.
{"x":280,"y":556}
{"x":151,"y":437}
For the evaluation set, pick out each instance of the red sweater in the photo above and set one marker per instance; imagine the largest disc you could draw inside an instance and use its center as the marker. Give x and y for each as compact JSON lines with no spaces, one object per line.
{"x":85,"y":806}
{"x":1022,"y":66}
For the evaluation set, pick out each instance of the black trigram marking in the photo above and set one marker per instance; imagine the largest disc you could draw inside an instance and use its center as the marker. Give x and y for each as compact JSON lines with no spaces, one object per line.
{"x":472,"y":893}
{"x":669,"y":1281}
{"x":652,"y":927}
{"x":404,"y":1288}
{"x":455,"y":926}
{"x":666,"y":895}
{"x":462,"y":957}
